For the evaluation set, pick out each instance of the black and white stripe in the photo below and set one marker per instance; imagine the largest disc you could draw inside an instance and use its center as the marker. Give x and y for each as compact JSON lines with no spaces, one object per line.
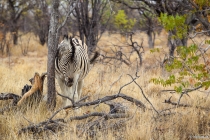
{"x":71,"y":67}
{"x":72,"y":57}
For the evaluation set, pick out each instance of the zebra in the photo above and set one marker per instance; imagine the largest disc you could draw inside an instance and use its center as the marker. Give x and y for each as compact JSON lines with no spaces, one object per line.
{"x":71,"y":67}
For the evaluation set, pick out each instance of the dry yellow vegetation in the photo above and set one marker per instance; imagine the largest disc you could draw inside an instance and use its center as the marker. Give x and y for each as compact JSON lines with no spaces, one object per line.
{"x":103,"y":80}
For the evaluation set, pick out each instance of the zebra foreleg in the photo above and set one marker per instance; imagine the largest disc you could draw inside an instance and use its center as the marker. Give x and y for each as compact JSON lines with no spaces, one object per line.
{"x":79,"y":88}
{"x":75,"y":87}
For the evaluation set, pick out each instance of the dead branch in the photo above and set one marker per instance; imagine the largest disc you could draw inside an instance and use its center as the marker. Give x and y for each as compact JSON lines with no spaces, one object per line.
{"x":8,"y":96}
{"x":101,"y":123}
{"x":175,"y":104}
{"x":184,"y":105}
{"x":108,"y":98}
{"x":116,"y":107}
{"x":101,"y":114}
{"x":102,"y":100}
{"x":63,"y":96}
{"x":50,"y":125}
{"x":83,"y":98}
{"x":184,"y":91}
{"x":58,"y":124}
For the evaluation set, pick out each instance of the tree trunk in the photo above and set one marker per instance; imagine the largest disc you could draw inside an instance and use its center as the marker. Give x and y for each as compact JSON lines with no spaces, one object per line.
{"x":151,"y":39}
{"x":15,"y":38}
{"x":42,"y":39}
{"x":52,"y":48}
{"x":175,"y":42}
{"x":88,"y":23}
{"x":15,"y":35}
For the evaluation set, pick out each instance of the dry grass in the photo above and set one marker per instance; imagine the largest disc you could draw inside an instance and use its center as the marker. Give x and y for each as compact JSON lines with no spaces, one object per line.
{"x":182,"y":123}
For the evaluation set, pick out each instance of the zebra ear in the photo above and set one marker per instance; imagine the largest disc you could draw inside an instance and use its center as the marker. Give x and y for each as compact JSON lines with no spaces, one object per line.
{"x":72,"y":48}
{"x":65,"y":37}
{"x":71,"y":42}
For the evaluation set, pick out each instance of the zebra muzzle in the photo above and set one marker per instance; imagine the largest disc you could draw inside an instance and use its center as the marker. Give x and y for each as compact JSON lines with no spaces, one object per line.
{"x":69,"y":81}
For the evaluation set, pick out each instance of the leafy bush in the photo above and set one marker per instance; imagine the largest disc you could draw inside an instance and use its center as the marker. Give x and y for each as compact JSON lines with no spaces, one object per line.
{"x":122,"y":22}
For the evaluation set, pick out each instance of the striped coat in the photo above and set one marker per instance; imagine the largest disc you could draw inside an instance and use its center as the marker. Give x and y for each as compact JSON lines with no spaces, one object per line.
{"x":71,"y":67}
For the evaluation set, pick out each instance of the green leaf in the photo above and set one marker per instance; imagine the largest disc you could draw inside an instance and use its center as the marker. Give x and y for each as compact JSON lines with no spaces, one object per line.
{"x":178,"y":89}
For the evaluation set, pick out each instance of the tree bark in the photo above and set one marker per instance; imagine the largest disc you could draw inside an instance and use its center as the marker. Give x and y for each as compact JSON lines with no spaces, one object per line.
{"x":151,"y":39}
{"x":52,"y":48}
{"x":14,"y":30}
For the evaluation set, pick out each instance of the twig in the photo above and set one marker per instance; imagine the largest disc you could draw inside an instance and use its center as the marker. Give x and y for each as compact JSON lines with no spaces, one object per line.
{"x":143,"y":93}
{"x":27,"y":120}
{"x":72,"y":101}
{"x":133,"y":79}
{"x":183,"y":105}
{"x":198,"y":33}
{"x":82,"y":99}
{"x":186,"y":90}
{"x":115,"y":81}
{"x":175,"y":104}
{"x":119,"y":59}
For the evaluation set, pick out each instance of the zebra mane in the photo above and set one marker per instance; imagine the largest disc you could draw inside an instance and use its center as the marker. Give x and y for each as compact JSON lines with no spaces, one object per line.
{"x":73,"y":49}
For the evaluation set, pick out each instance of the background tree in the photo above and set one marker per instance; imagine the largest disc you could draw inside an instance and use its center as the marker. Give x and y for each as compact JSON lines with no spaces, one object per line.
{"x":12,"y":12}
{"x":41,"y":20}
{"x":122,"y":22}
{"x":146,"y":19}
{"x":149,"y":24}
{"x":88,"y":15}
{"x":194,"y":11}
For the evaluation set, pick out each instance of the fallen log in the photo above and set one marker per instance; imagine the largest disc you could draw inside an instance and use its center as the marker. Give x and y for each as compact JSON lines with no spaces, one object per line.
{"x":8,"y":96}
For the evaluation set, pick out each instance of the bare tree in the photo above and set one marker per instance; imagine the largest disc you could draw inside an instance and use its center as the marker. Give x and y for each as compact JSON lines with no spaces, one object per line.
{"x":41,"y":20}
{"x":88,"y":15}
{"x":13,"y":10}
